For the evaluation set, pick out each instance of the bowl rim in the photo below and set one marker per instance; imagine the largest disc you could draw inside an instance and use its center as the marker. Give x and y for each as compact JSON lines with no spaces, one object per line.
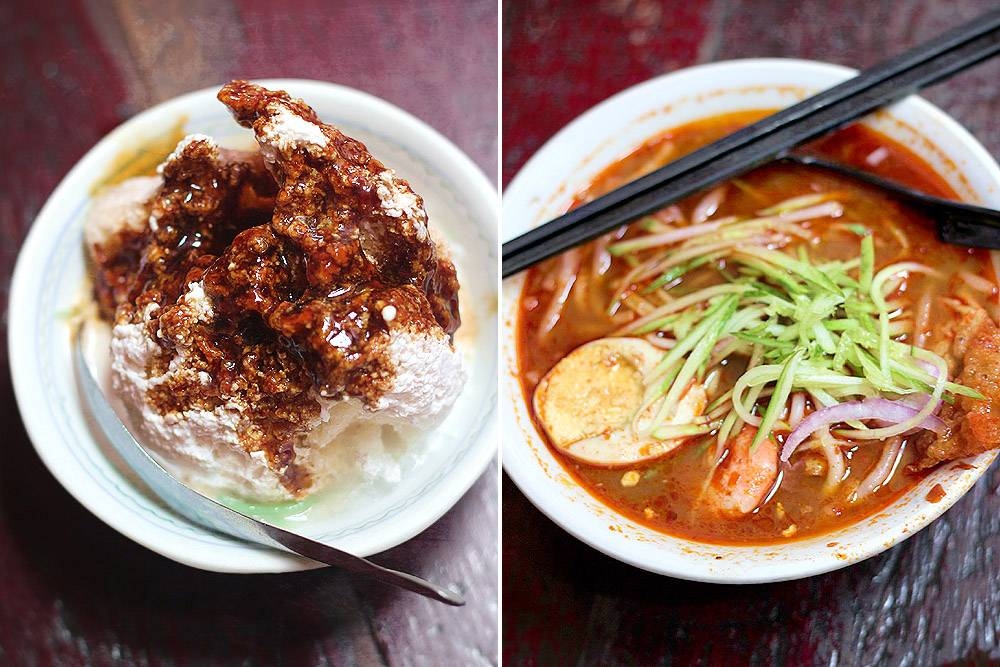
{"x":525,"y":466}
{"x":231,"y":555}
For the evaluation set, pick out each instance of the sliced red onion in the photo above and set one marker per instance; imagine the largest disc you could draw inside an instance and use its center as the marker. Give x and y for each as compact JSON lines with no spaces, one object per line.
{"x":797,"y":410}
{"x":708,"y":205}
{"x":830,"y":209}
{"x":569,"y":267}
{"x":931,"y":369}
{"x":601,"y":258}
{"x":978,"y":282}
{"x":918,"y":401}
{"x":680,"y":234}
{"x":669,"y":215}
{"x":882,"y":409}
{"x":883,"y":469}
{"x":661,"y":342}
{"x":920,"y":324}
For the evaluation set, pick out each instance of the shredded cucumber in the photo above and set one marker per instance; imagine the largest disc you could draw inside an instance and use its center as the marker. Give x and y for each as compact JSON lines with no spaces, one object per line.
{"x":823,"y":328}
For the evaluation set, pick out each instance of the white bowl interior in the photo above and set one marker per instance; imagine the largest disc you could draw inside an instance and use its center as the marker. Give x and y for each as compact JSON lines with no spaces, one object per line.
{"x":567,"y":164}
{"x":49,"y":281}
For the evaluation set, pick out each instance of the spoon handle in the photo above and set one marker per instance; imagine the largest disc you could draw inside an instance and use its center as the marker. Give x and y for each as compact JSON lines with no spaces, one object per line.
{"x":332,"y":556}
{"x":211,"y":514}
{"x":958,"y":222}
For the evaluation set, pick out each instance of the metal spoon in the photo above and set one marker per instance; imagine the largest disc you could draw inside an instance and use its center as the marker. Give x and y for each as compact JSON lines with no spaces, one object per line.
{"x":957,"y":223}
{"x":211,"y":514}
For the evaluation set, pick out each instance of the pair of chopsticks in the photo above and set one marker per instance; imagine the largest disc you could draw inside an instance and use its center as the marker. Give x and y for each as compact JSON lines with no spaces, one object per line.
{"x":761,"y":142}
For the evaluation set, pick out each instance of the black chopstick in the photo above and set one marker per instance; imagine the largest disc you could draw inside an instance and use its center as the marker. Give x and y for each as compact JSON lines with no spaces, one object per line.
{"x":759,"y":143}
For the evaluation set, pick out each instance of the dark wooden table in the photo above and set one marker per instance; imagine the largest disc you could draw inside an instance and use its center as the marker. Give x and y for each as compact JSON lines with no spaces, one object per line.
{"x":75,"y":592}
{"x":934,"y":599}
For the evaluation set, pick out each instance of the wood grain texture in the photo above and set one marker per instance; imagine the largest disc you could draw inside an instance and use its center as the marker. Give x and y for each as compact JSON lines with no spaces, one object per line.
{"x":934,"y":599}
{"x":73,"y":591}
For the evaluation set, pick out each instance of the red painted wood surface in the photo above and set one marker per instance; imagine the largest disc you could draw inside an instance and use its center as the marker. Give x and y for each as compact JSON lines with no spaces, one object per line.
{"x":73,"y":591}
{"x":934,"y":599}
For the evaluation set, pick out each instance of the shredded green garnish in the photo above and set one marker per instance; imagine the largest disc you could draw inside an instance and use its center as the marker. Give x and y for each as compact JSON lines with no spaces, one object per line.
{"x":791,"y":323}
{"x":867,"y":266}
{"x":782,"y":390}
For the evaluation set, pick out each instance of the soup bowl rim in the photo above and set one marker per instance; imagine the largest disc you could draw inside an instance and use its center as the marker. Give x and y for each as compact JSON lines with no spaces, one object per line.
{"x":585,"y":145}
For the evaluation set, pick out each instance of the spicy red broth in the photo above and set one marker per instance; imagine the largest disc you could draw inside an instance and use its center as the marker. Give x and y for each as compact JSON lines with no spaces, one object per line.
{"x":568,"y":302}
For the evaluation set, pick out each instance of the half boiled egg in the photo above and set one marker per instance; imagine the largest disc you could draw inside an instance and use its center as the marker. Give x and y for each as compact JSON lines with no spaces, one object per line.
{"x":589,"y":403}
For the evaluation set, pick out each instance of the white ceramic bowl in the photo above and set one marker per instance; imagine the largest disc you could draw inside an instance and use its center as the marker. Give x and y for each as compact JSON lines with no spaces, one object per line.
{"x":567,"y":164}
{"x":50,"y":278}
